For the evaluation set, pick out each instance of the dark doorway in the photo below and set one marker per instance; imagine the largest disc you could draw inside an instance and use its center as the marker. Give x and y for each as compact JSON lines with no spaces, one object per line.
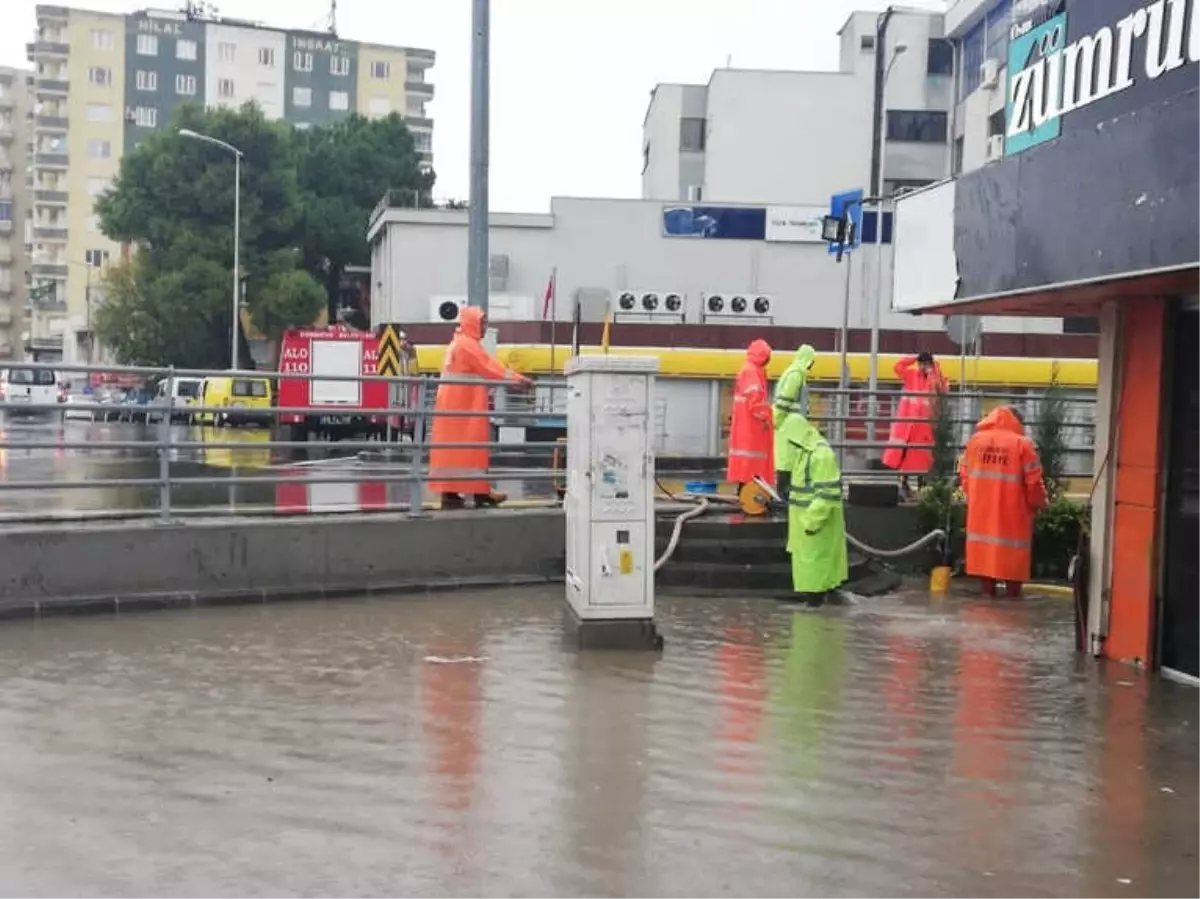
{"x":1179,"y":631}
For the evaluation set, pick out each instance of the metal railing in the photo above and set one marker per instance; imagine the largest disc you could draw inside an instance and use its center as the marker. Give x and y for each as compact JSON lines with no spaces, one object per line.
{"x":164,"y":459}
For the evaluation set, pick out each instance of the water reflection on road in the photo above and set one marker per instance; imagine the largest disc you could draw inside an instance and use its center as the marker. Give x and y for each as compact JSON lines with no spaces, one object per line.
{"x":454,"y":745}
{"x":252,"y":457}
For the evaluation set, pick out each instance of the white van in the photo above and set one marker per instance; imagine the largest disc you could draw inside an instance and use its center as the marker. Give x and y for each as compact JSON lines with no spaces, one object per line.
{"x":185,"y":392}
{"x":30,"y":387}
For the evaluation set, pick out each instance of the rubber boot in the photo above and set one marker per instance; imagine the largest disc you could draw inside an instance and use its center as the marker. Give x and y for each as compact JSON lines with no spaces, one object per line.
{"x":453,"y":501}
{"x":489,"y":500}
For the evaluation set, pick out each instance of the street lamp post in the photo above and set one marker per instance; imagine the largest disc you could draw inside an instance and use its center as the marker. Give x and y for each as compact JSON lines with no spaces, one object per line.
{"x":237,"y":224}
{"x":876,"y":306}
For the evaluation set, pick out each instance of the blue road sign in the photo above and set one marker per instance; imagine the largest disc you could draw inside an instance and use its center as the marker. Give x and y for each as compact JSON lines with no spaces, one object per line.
{"x":837,"y":208}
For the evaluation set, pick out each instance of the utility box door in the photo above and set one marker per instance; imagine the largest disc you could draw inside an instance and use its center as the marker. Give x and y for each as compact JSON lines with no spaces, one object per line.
{"x":337,"y":357}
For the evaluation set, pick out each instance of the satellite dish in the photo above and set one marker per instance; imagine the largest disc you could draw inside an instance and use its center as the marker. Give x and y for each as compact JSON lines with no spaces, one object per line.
{"x":963,"y":330}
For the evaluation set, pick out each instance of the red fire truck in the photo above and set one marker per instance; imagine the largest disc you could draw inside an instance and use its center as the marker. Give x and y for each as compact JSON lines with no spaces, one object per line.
{"x":337,"y":350}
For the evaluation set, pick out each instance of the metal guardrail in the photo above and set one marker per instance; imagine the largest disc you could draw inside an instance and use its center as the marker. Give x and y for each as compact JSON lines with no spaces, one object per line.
{"x":174,"y":474}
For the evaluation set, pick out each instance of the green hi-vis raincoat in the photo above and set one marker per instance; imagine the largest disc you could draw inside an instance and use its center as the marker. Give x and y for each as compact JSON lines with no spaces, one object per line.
{"x":791,"y":406}
{"x":816,"y":525}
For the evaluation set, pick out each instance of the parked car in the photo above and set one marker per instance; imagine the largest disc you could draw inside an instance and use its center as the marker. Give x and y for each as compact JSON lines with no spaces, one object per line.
{"x":20,"y":386}
{"x":184,"y":392}
{"x":242,"y":401}
{"x":136,"y":405}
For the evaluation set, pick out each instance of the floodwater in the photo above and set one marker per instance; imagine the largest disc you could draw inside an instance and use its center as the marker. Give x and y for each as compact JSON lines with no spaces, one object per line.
{"x":456,"y":744}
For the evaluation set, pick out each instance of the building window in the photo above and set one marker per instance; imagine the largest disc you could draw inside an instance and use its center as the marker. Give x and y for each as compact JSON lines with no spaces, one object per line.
{"x":100,"y":76}
{"x":941,"y":57}
{"x":146,"y":81}
{"x":147,"y":45}
{"x":225,"y":88}
{"x":266,"y":57}
{"x":185,"y":49}
{"x":999,"y":23}
{"x":339,"y":100}
{"x":645,"y":157}
{"x":895,"y":187}
{"x":956,"y":156}
{"x":973,"y":46}
{"x":691,"y":134}
{"x":102,"y":39}
{"x":421,"y":140}
{"x":381,"y":69}
{"x":302,"y":96}
{"x":916,"y":126}
{"x":96,"y":186}
{"x":996,"y":123}
{"x":99,"y":112}
{"x":145,"y":116}
{"x":95,"y":258}
{"x":416,"y":74}
{"x":6,"y":207}
{"x":226,"y":52}
{"x":339,"y":65}
{"x":414,"y":106}
{"x":1077,"y":324}
{"x":379,"y":106}
{"x":185,"y":85}
{"x":695,"y":193}
{"x":302,"y":62}
{"x":866,"y":43}
{"x":99,"y":149}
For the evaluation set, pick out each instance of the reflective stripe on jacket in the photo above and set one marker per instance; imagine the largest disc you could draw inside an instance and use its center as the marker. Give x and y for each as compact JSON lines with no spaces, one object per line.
{"x":750,"y":434}
{"x":816,"y":523}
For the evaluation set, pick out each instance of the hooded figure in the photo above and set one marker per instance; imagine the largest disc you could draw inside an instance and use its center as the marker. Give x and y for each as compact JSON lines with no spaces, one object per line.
{"x":465,"y":358}
{"x":791,"y":407}
{"x":816,"y":526}
{"x":1001,"y":478}
{"x":911,"y":434}
{"x":751,"y":437}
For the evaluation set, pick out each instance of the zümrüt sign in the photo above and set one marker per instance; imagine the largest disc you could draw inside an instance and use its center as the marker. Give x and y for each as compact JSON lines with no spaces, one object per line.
{"x":1065,"y":57}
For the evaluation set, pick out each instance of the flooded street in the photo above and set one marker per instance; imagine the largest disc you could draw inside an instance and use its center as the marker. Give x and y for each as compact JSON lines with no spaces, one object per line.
{"x":457,"y":745}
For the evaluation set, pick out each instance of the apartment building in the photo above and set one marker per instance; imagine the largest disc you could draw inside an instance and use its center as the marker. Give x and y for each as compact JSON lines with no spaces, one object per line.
{"x":14,"y":103}
{"x":104,"y":81}
{"x":783,"y":142}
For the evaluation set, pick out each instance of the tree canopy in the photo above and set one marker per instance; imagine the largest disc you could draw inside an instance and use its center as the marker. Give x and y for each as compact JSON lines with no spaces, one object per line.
{"x":305,"y":199}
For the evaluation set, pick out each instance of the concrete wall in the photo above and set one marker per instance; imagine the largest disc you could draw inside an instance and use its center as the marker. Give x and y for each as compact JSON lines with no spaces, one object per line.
{"x":258,"y":560}
{"x":255,"y":77}
{"x":618,"y":245}
{"x":660,"y":143}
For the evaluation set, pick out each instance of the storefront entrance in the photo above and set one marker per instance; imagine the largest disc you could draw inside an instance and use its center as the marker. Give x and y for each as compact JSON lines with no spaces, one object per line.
{"x":1179,"y":631}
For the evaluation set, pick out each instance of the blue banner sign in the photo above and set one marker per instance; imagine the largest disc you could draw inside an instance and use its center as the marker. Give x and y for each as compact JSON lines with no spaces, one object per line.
{"x":716,"y":222}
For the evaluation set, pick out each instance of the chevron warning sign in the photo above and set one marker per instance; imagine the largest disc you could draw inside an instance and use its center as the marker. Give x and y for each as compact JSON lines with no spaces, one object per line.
{"x":388,"y":361}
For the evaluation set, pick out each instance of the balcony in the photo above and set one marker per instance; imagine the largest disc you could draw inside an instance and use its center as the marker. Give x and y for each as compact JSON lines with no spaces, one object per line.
{"x":48,"y":269}
{"x":50,"y":232}
{"x":6,"y":228}
{"x":50,"y":160}
{"x":6,"y":97}
{"x":51,"y":122}
{"x":51,"y":48}
{"x":415,"y":122}
{"x":54,"y":87}
{"x":419,"y":57}
{"x":50,"y":197}
{"x":7,"y":131}
{"x":6,"y":248}
{"x":50,"y":13}
{"x":421,"y":89}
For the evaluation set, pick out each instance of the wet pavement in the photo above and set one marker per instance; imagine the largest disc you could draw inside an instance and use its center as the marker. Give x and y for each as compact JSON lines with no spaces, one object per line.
{"x":456,"y":745}
{"x":304,"y":467}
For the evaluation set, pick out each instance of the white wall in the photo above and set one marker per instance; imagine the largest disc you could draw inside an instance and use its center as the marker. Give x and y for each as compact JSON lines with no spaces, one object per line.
{"x":253,"y":80}
{"x":660,"y":131}
{"x":618,"y":245}
{"x":786,"y":137}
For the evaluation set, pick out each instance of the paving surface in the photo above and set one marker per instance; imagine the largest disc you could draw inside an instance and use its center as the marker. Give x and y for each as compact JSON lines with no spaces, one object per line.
{"x":455,"y":745}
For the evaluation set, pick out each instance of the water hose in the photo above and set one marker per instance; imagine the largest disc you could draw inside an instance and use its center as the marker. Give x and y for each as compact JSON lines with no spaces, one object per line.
{"x":704,"y":502}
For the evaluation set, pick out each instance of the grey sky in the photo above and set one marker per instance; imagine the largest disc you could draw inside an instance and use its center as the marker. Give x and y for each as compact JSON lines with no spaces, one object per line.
{"x":570,"y":78}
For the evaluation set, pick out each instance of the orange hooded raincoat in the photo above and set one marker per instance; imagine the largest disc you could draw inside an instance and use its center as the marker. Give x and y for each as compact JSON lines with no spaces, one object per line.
{"x":901,"y":454}
{"x":465,"y":358}
{"x":751,"y":432}
{"x":1001,"y":478}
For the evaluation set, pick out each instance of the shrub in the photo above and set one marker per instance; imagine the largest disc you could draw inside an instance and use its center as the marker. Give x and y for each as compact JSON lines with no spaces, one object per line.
{"x":1057,"y":530}
{"x":1048,"y":436}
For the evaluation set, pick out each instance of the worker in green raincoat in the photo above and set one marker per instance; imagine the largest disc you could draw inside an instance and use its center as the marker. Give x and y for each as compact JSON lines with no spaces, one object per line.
{"x":816,"y":525}
{"x":791,"y":410}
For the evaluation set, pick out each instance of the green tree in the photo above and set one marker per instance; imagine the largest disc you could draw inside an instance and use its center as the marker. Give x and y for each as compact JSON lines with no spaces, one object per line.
{"x":1050,"y":438}
{"x":179,"y":318}
{"x":288,"y":299}
{"x":344,"y":171}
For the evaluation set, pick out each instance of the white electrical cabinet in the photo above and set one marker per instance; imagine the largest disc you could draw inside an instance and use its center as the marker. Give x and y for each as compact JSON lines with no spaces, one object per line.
{"x":609,"y":502}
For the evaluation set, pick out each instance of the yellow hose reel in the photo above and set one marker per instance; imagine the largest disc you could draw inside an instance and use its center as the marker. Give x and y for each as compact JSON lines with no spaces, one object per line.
{"x":753,"y":499}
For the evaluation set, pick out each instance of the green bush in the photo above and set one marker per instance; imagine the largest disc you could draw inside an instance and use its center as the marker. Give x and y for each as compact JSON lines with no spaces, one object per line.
{"x":1048,"y":436}
{"x":1056,"y":534}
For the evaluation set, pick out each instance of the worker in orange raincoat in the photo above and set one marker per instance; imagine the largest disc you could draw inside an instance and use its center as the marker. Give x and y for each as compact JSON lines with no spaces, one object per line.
{"x":1001,"y":477}
{"x":751,"y":431}
{"x":466,"y":358}
{"x":921,"y":377}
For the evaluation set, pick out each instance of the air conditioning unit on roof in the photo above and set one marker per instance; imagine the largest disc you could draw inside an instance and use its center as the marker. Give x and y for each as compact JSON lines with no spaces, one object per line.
{"x":657,"y":306}
{"x":737,"y":308}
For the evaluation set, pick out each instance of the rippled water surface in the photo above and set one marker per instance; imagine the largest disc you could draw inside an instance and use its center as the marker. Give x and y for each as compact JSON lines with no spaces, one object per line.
{"x":458,"y":745}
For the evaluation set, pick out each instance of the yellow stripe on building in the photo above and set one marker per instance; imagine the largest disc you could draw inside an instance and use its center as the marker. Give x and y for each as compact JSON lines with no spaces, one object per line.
{"x":724,"y":364}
